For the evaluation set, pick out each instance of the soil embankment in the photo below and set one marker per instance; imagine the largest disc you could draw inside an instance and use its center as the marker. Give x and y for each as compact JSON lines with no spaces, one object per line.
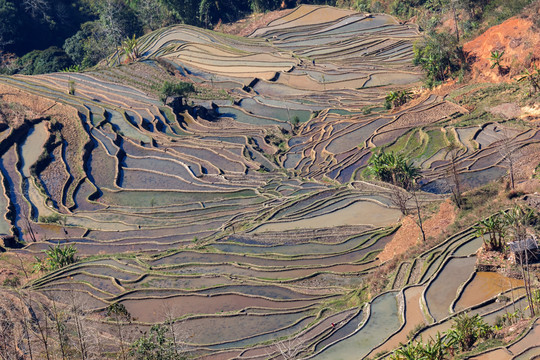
{"x":520,"y":42}
{"x":409,"y":234}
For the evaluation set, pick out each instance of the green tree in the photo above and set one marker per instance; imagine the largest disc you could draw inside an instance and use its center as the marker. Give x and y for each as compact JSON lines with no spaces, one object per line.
{"x":466,"y":330}
{"x":393,"y":168}
{"x":264,"y":5}
{"x":439,"y":56}
{"x":9,"y":23}
{"x":187,"y":11}
{"x":155,"y":345}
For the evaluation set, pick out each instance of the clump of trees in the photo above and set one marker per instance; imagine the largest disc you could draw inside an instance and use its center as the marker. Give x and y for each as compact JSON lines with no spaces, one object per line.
{"x":440,"y":56}
{"x":397,"y":98}
{"x":49,"y":35}
{"x":393,"y":168}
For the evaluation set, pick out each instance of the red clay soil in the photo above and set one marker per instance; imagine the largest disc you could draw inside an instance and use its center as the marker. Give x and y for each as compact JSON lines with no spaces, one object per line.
{"x":248,"y":25}
{"x":408,"y":235}
{"x":520,"y":43}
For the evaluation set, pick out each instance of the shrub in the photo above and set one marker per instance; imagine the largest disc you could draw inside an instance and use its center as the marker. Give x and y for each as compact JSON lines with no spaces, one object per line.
{"x":54,"y":218}
{"x":71,"y":87}
{"x":155,"y":345}
{"x":57,"y":257}
{"x":44,"y":61}
{"x":176,"y":89}
{"x":466,"y":330}
{"x":12,"y":281}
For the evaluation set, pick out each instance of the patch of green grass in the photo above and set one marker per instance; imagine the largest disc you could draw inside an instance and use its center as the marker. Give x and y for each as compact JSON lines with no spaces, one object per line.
{"x":480,"y":98}
{"x":436,"y":141}
{"x":416,"y":145}
{"x":355,"y":298}
{"x":400,"y":144}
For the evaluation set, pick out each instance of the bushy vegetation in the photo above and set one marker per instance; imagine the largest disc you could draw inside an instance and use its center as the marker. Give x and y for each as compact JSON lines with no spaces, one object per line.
{"x":393,"y":168}
{"x":54,"y":218}
{"x":82,"y":32}
{"x":396,"y":98}
{"x":180,"y":88}
{"x":157,"y":344}
{"x":49,"y":60}
{"x":57,"y":257}
{"x":465,"y":332}
{"x":440,"y":56}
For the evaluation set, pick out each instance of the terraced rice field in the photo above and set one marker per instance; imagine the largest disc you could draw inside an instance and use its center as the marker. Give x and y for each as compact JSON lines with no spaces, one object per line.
{"x":241,"y":238}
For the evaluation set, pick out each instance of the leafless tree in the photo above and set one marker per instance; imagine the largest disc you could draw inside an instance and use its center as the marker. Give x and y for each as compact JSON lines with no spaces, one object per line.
{"x":452,"y":176}
{"x":419,"y":220}
{"x":8,"y":338}
{"x":25,"y":326}
{"x":400,"y":198}
{"x":288,"y":349}
{"x":518,"y":219}
{"x":120,"y":315}
{"x":509,"y":150}
{"x":77,"y":306}
{"x":38,"y":9}
{"x":37,"y":319}
{"x":60,"y":325}
{"x":178,"y":336}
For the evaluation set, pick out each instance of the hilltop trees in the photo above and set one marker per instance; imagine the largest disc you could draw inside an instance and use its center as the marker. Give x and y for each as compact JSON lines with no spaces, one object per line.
{"x":439,"y":56}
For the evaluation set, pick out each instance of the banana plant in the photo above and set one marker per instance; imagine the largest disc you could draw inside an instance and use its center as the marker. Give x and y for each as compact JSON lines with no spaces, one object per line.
{"x":130,"y":47}
{"x":495,"y":58}
{"x":532,"y":77}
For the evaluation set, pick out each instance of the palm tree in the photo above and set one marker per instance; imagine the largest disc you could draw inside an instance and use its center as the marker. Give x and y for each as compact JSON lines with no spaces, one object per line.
{"x":496,"y":57}
{"x":393,"y":168}
{"x":466,"y":330}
